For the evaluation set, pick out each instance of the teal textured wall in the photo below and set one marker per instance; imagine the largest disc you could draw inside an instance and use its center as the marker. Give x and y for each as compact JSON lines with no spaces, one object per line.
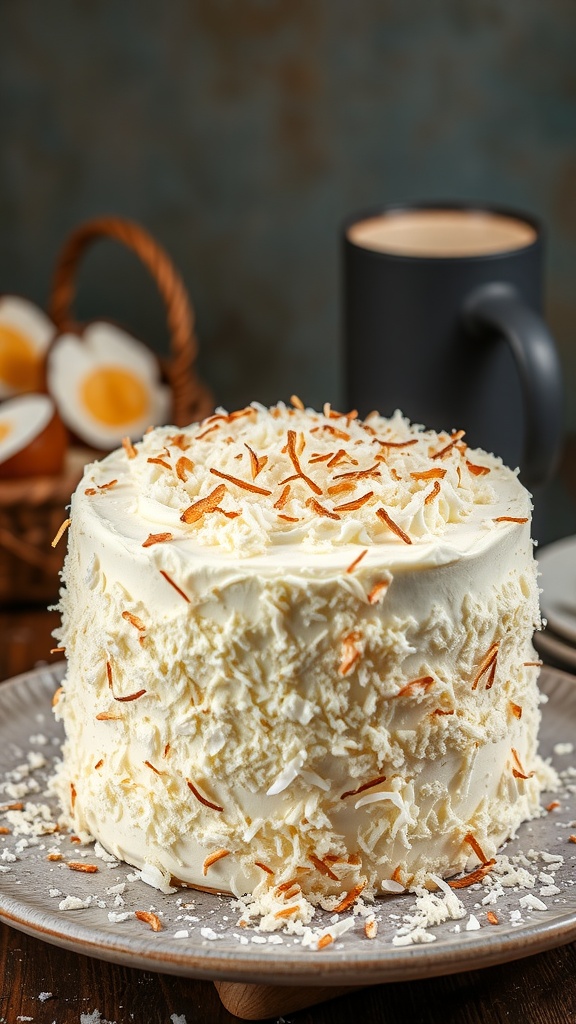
{"x":241,"y":133}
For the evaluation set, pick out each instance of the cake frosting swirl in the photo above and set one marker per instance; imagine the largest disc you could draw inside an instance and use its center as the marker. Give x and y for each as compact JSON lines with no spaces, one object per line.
{"x":299,"y":648}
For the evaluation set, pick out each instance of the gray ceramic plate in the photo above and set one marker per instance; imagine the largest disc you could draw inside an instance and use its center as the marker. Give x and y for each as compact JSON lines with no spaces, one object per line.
{"x":242,"y":954}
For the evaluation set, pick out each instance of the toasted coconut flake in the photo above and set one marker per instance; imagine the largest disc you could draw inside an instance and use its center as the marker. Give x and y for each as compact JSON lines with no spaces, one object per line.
{"x":422,"y":684}
{"x":339,"y":457}
{"x":350,"y":652}
{"x":441,"y":711}
{"x":297,"y":402}
{"x":240,"y":483}
{"x":205,"y":505}
{"x":72,"y":795}
{"x":487,"y":662}
{"x":134,"y":621}
{"x":284,"y":887}
{"x":167,"y":749}
{"x":293,"y":455}
{"x":473,"y":842}
{"x":181,"y":441}
{"x":433,"y":493}
{"x":572,"y":839}
{"x":159,"y":462}
{"x":283,"y":497}
{"x":453,"y":441}
{"x":209,"y":430}
{"x":371,"y":928}
{"x":131,"y":696}
{"x":378,"y":591}
{"x":229,"y":515}
{"x":57,"y":650}
{"x":175,"y":585}
{"x":364,"y":786}
{"x":149,"y":918}
{"x":317,"y":457}
{"x":156,"y":538}
{"x":534,"y":664}
{"x":54,"y":856}
{"x":90,"y":491}
{"x":320,"y":509}
{"x":106,"y":487}
{"x":352,"y":506}
{"x":473,"y":877}
{"x":492,"y":918}
{"x":395,"y":444}
{"x":518,"y":772}
{"x":294,"y":891}
{"x":183,"y":467}
{"x":202,"y":799}
{"x":238,"y":414}
{"x":342,"y":488}
{"x":62,"y":529}
{"x":288,"y":519}
{"x":152,"y":768}
{"x":212,"y":858}
{"x":129,"y":448}
{"x":288,"y":911}
{"x":88,"y":869}
{"x":109,"y":675}
{"x":264,"y":867}
{"x":4,"y":831}
{"x":516,"y":709}
{"x":325,"y":940}
{"x":360,"y":474}
{"x":322,"y":867}
{"x":430,"y":474}
{"x":383,"y":515}
{"x":510,"y":519}
{"x":350,"y":898}
{"x":331,"y":430}
{"x":108,"y":716}
{"x":99,"y":763}
{"x":256,"y":464}
{"x":477,"y":470}
{"x":553,"y":805}
{"x":354,"y":565}
{"x":18,"y":806}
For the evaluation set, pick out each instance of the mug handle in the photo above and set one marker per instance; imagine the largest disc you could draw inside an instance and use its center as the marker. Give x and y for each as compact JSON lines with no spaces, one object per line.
{"x":497,"y":310}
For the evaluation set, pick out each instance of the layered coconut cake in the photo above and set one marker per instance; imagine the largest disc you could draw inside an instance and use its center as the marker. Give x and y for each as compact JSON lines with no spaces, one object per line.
{"x":300,"y":654}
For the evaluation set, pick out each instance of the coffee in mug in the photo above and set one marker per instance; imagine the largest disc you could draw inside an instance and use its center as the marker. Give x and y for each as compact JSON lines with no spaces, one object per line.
{"x":443,"y":320}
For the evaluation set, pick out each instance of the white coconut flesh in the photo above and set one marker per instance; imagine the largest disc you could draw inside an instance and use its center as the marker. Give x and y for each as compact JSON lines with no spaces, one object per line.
{"x":106,"y":385}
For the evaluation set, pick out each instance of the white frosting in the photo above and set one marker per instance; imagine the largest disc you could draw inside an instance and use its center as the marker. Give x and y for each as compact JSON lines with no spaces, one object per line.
{"x":276,"y":680}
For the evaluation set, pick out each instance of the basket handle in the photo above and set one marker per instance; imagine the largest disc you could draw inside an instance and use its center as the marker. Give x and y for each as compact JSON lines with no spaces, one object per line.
{"x":191,"y":399}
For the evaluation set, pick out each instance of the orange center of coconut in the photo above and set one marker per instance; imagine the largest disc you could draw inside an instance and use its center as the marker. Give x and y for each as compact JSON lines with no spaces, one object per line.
{"x":20,"y":363}
{"x":5,"y":430}
{"x":114,"y":396}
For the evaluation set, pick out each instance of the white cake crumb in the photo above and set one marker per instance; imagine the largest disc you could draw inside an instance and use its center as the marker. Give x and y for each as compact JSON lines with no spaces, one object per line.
{"x":74,"y":903}
{"x":563,"y":748}
{"x":531,"y":902}
{"x":44,"y":996}
{"x":208,"y":933}
{"x":182,"y":934}
{"x":472,"y":924}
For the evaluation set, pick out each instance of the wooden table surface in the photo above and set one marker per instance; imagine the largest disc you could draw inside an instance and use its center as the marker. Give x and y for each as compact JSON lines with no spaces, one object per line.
{"x":537,"y":990}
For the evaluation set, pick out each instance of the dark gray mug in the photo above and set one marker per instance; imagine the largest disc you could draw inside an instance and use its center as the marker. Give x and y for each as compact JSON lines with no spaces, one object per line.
{"x":443,"y":321}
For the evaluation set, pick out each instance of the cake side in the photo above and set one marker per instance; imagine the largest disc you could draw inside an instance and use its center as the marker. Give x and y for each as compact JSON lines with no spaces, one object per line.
{"x":343,"y":713}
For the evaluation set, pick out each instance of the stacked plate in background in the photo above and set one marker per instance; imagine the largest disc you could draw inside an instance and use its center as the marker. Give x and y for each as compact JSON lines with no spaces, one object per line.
{"x":556,"y":644}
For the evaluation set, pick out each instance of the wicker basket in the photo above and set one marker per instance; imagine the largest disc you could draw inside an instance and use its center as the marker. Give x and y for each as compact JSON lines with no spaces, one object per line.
{"x":31,"y":510}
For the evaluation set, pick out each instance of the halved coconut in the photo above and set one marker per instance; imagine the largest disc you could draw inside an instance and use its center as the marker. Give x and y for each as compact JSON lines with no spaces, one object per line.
{"x":25,"y":333}
{"x":33,"y":439}
{"x":106,"y":385}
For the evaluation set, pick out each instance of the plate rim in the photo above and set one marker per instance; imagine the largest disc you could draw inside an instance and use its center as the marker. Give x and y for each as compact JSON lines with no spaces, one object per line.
{"x":316,"y":968}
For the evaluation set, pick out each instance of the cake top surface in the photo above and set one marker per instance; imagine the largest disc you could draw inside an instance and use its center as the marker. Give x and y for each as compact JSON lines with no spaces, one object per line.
{"x":259,"y":481}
